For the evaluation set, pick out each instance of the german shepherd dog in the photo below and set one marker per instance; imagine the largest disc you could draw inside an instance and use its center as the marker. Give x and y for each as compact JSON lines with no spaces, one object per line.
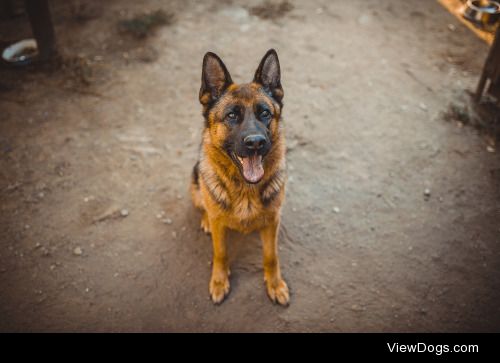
{"x":239,"y":181}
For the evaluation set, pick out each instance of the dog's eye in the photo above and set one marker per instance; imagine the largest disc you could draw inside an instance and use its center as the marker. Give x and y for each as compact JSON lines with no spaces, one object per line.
{"x":265,"y":114}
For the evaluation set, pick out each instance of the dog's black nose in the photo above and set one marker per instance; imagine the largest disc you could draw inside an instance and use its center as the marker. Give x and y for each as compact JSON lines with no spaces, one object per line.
{"x":254,"y":142}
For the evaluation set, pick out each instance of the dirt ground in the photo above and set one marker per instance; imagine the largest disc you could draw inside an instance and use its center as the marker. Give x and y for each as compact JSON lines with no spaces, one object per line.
{"x":392,"y":215}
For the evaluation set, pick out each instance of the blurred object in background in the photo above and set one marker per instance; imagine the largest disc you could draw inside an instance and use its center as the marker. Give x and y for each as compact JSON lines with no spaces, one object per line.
{"x":43,"y":47}
{"x":21,"y":53}
{"x":457,"y":8}
{"x":483,"y":13}
{"x":43,"y":30}
{"x":491,"y":71}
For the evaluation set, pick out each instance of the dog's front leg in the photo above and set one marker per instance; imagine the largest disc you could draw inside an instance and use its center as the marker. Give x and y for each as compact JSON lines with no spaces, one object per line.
{"x":219,"y":282}
{"x":277,"y":289}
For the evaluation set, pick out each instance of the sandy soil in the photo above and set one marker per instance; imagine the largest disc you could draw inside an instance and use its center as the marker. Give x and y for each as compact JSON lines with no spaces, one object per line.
{"x":97,"y":229}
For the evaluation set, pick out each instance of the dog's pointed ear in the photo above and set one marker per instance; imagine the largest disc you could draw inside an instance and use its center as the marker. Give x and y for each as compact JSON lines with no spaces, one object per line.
{"x":215,"y":78}
{"x":269,"y":75}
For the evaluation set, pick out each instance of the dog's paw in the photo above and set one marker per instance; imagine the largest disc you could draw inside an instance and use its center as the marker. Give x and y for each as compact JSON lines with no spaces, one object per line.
{"x":205,"y":225}
{"x":278,"y":292}
{"x":219,"y":288}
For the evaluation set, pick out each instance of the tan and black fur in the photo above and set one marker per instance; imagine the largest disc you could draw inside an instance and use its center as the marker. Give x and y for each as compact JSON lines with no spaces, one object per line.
{"x":219,"y":189}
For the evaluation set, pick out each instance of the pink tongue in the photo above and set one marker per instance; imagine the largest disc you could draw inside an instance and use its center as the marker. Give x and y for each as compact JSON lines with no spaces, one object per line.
{"x":252,"y":168}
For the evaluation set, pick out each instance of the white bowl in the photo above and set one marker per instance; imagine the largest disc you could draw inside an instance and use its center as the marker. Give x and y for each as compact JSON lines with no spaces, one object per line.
{"x":21,"y":52}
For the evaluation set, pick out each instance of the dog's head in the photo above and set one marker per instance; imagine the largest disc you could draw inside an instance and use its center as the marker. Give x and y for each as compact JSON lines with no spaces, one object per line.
{"x":243,"y":119}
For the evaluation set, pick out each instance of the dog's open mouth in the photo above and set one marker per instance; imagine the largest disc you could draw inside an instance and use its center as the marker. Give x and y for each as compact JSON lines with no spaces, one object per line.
{"x":252,"y":168}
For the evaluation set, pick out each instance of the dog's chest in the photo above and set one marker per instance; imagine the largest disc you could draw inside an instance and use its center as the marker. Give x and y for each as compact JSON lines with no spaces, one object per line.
{"x":246,"y":204}
{"x":242,"y":206}
{"x":247,"y":212}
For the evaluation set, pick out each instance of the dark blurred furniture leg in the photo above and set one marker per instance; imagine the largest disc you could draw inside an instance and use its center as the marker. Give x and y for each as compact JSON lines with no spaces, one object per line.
{"x":43,"y":30}
{"x":491,"y":70}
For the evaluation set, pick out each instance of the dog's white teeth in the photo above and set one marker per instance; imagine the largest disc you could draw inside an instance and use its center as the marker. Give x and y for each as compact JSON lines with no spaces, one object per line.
{"x":240,"y":159}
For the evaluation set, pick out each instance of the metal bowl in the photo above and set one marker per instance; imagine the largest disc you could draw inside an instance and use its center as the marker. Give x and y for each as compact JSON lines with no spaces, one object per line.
{"x":483,"y":12}
{"x":21,"y":53}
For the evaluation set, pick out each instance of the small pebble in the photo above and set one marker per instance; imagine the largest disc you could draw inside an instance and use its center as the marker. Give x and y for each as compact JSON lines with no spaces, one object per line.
{"x":336,"y":209}
{"x":77,"y":251}
{"x":356,"y":307}
{"x":167,"y":221}
{"x":124,"y":212}
{"x":244,"y":27}
{"x":490,"y":149}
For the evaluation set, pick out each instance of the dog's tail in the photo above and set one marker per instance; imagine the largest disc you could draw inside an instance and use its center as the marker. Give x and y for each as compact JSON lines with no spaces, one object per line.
{"x":196,"y":175}
{"x":195,"y":187}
